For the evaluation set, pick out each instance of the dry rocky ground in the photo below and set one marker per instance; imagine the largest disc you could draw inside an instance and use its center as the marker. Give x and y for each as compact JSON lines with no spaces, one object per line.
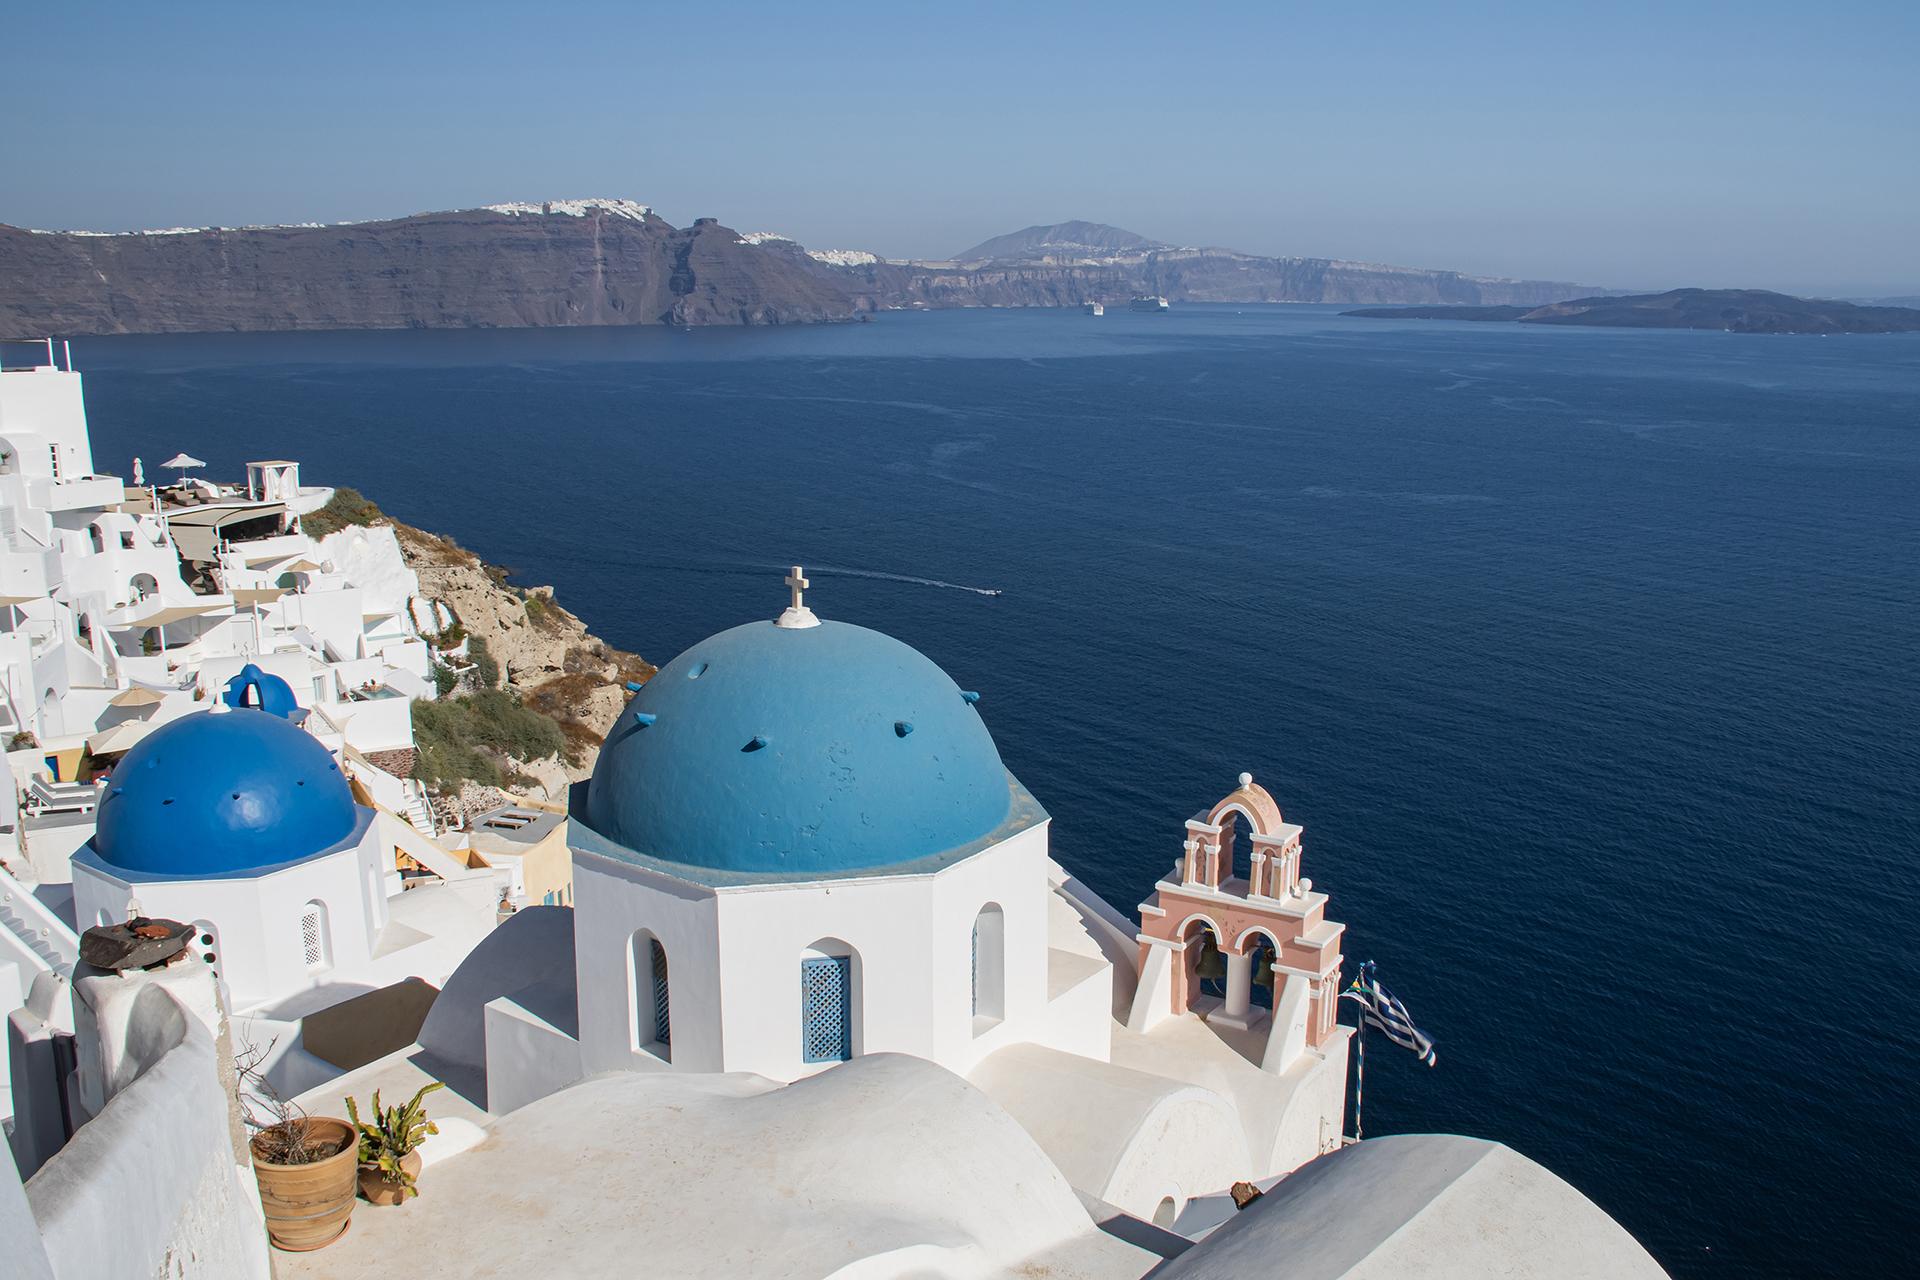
{"x":547,"y":658}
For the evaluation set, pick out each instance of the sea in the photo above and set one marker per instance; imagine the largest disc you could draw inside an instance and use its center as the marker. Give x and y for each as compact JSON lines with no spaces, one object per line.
{"x":1586,"y":657}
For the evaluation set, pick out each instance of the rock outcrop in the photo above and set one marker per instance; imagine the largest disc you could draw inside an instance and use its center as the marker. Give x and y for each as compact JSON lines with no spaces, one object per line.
{"x":546,"y":654}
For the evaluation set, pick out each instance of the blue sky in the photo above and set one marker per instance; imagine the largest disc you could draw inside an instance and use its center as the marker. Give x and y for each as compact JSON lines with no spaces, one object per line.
{"x":1753,"y":144}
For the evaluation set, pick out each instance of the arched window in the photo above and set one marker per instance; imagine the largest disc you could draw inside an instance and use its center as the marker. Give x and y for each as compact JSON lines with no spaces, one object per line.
{"x":1206,"y":962}
{"x":143,"y":585}
{"x":316,"y":940}
{"x":1236,"y":847}
{"x":989,"y":967}
{"x":651,"y":992}
{"x":828,"y":976}
{"x":99,"y":539}
{"x":1261,"y":954}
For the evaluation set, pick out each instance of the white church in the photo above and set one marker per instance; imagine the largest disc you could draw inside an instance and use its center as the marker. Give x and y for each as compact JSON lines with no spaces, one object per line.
{"x":824,"y":1005}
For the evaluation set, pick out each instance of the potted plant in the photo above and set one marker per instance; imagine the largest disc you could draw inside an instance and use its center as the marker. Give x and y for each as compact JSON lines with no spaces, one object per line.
{"x":389,"y":1146}
{"x":304,"y":1164}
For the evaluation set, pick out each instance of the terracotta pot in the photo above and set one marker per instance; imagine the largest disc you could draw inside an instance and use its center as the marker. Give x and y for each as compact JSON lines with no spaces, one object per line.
{"x":307,"y":1205}
{"x":378,"y":1190}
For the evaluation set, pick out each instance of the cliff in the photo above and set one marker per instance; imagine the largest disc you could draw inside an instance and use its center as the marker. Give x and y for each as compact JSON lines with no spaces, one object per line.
{"x":606,"y":264}
{"x":1732,"y":310}
{"x":543,"y":657}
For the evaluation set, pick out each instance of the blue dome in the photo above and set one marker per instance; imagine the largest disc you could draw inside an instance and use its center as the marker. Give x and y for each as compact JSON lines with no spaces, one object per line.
{"x":256,"y":688}
{"x":798,"y":751}
{"x":222,"y":793}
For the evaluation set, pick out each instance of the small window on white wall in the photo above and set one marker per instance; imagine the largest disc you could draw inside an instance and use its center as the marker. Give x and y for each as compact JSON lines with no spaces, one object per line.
{"x":989,"y":967}
{"x":651,"y":994}
{"x":314,"y":937}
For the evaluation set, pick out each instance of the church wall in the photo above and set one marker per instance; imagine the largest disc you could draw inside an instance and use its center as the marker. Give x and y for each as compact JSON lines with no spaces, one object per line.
{"x":257,"y":919}
{"x":1013,"y":874}
{"x":1315,"y":1113}
{"x":912,"y":936}
{"x":611,"y":900}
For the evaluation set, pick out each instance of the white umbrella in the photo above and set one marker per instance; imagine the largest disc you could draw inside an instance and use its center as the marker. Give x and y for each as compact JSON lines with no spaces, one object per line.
{"x":120,"y":737}
{"x":183,"y":462}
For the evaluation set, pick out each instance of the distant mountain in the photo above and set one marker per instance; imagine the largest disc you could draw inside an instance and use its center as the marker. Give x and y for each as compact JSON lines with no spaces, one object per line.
{"x":1067,"y":264}
{"x":1060,"y":240}
{"x":1734,"y":310}
{"x":579,"y":262}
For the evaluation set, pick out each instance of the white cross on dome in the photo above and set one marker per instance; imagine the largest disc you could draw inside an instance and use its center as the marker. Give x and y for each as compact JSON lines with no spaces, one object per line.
{"x":797,"y":614}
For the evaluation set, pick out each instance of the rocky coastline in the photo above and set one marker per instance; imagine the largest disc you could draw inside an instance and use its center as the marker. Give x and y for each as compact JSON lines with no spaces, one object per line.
{"x":536,"y":652}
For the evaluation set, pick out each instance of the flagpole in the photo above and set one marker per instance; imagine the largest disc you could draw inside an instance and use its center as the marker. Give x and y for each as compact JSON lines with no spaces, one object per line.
{"x":1360,"y":1078}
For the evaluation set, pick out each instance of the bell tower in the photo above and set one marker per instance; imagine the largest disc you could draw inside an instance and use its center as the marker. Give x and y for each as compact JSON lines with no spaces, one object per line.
{"x":1235,"y":911}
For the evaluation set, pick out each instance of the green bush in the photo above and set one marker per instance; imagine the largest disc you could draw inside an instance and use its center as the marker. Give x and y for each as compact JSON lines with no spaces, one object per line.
{"x":487,"y":672}
{"x":348,"y":506}
{"x":473,"y":736}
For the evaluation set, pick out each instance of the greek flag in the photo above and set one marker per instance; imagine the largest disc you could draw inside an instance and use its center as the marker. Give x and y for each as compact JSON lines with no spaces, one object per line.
{"x":1381,"y":1008}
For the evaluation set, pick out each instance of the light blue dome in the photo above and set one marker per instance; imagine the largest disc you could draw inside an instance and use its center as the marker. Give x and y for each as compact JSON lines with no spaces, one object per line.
{"x":798,"y":751}
{"x":217,"y":794}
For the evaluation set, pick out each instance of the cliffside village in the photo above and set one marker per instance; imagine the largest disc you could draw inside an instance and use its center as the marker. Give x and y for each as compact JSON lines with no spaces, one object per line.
{"x":126,"y":606}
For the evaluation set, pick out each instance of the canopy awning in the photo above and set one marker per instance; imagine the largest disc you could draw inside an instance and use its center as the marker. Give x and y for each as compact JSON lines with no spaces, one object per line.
{"x":182,"y":461}
{"x":196,"y":530}
{"x":250,"y":596}
{"x":169,"y":614}
{"x":119,"y":737}
{"x":137,"y":697}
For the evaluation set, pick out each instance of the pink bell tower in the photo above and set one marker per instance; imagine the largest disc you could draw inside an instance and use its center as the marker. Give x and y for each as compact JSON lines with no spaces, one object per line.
{"x":1237,"y":892}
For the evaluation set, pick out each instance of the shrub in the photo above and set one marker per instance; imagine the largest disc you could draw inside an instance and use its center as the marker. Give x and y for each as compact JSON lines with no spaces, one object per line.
{"x":348,"y":506}
{"x":487,"y":671}
{"x":470,"y":738}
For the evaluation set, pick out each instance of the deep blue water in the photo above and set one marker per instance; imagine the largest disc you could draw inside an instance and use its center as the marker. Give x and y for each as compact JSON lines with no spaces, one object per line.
{"x":1586,"y":657}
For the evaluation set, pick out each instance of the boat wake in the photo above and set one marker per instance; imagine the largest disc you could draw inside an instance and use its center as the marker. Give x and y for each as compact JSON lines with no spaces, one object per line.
{"x":901,"y":577}
{"x":831,"y":571}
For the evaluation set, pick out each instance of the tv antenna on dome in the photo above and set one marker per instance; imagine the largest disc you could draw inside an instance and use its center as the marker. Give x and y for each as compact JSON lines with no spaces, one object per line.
{"x":796,"y":614}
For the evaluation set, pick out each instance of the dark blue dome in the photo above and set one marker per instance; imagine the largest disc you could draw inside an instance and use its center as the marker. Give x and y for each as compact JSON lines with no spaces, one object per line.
{"x":222,"y":793}
{"x":797,"y":751}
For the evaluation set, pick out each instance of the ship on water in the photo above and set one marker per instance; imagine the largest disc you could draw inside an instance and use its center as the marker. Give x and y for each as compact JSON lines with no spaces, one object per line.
{"x":1156,"y":303}
{"x":1095,"y":309}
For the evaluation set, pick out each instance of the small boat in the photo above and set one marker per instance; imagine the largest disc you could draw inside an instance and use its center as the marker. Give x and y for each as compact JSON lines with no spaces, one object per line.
{"x":1095,"y":309}
{"x":1154,"y":304}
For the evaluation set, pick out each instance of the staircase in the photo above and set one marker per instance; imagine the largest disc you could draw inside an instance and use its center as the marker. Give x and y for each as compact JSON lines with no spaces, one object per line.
{"x":33,"y":933}
{"x":418,"y":813}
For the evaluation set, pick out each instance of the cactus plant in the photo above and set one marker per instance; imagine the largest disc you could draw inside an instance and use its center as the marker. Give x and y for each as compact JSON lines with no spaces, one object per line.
{"x":390,"y":1136}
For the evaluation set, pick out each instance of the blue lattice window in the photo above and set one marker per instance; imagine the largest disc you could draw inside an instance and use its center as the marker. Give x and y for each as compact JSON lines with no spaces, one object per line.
{"x":826,"y":1008}
{"x":662,"y":1023}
